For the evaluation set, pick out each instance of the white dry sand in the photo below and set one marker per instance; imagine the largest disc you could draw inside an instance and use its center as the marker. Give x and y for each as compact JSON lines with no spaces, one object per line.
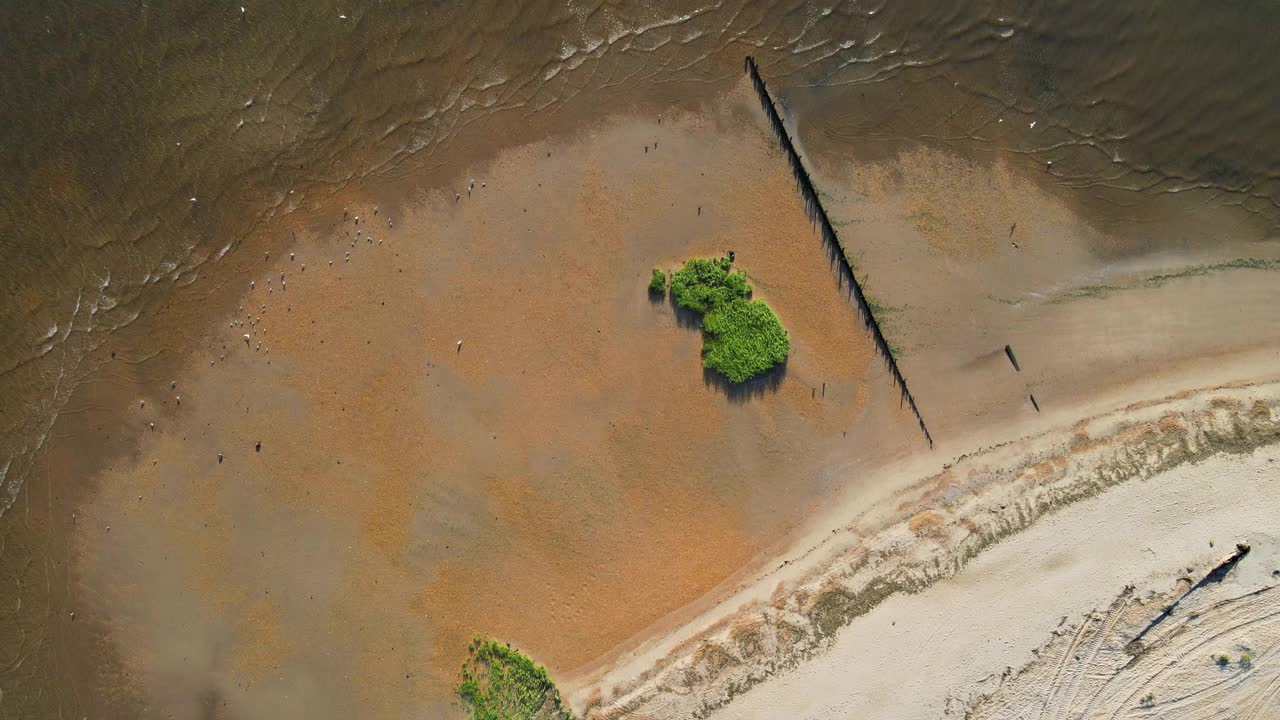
{"x":1212,"y":654}
{"x":913,"y":653}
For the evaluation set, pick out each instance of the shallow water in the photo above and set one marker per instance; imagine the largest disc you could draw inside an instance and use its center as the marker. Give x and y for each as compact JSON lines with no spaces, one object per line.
{"x":146,"y":140}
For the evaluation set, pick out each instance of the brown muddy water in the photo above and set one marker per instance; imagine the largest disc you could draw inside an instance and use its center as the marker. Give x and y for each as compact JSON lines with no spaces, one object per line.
{"x":146,"y":144}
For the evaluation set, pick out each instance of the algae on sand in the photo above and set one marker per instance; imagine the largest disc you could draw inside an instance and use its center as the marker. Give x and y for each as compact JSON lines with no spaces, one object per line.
{"x":499,"y":683}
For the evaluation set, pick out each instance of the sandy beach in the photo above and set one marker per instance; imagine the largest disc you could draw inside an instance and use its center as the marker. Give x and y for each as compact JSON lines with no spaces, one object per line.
{"x":929,"y":655}
{"x":985,"y":563}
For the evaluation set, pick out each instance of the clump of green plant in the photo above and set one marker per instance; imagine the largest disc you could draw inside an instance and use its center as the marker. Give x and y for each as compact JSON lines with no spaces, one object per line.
{"x":1246,"y":661}
{"x":657,"y":282}
{"x":499,"y":683}
{"x":1222,"y":660}
{"x":1148,"y":700}
{"x":743,"y":338}
{"x":704,"y":283}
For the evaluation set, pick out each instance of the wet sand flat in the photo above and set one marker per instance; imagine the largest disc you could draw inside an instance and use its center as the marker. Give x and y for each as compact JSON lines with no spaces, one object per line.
{"x":562,"y":481}
{"x":966,"y":253}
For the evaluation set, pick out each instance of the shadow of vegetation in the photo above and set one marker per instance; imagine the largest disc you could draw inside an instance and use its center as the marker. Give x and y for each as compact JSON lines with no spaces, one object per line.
{"x":758,"y":387}
{"x":657,"y":298}
{"x":685,"y":317}
{"x":765,"y":384}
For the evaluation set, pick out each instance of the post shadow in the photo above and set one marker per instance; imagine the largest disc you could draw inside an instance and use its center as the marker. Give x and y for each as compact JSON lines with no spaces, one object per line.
{"x":818,"y":215}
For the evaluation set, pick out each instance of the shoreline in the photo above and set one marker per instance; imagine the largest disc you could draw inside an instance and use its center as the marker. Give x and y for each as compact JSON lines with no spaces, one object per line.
{"x":883,"y":492}
{"x":708,"y":667}
{"x":965,"y":634}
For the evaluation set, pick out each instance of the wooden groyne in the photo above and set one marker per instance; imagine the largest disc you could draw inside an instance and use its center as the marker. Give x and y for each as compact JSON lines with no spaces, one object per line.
{"x":828,"y":232}
{"x":1216,"y":575}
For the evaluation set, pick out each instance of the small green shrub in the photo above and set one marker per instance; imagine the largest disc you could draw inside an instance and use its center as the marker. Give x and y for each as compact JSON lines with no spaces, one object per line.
{"x":703,"y":283}
{"x":499,"y":683}
{"x":1246,"y":661}
{"x":657,"y":282}
{"x":1222,"y":660}
{"x":1148,"y":700}
{"x":743,"y":338}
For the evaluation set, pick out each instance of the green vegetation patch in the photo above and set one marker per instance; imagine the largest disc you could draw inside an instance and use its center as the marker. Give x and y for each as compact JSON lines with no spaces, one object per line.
{"x":499,"y":683}
{"x":743,"y":338}
{"x":704,"y":283}
{"x":657,"y":282}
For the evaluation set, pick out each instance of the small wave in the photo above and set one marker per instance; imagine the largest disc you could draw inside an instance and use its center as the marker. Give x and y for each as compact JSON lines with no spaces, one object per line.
{"x":128,"y":318}
{"x":806,"y":48}
{"x":166,"y":270}
{"x":486,"y":84}
{"x":676,"y":20}
{"x":10,"y":490}
{"x":657,"y":45}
